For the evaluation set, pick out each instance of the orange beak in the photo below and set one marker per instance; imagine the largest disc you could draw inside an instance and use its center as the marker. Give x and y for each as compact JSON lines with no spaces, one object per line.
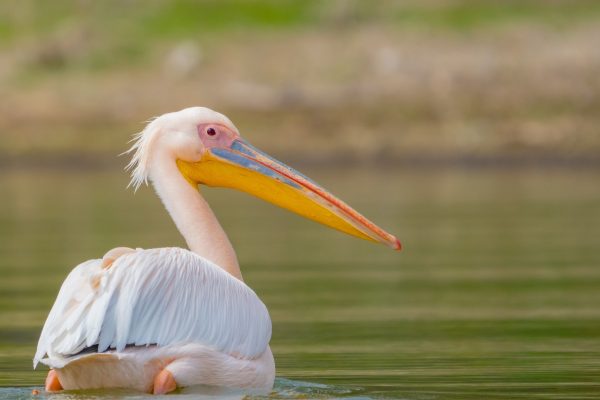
{"x":243,"y":167}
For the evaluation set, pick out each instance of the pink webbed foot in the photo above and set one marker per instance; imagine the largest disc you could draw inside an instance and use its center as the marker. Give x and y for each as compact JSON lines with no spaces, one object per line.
{"x":164,"y":382}
{"x":52,"y":382}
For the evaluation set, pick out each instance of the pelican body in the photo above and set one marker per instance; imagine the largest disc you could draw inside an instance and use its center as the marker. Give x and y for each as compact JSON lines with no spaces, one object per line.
{"x":158,"y":319}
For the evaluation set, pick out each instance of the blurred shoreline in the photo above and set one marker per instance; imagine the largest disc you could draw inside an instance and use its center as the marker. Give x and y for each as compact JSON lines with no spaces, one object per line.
{"x":426,"y":84}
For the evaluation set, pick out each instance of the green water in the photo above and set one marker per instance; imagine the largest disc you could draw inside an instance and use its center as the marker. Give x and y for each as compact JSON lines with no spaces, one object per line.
{"x":496,"y":294}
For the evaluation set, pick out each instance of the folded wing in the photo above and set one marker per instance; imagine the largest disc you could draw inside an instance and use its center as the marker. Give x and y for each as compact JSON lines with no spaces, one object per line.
{"x":154,"y":297}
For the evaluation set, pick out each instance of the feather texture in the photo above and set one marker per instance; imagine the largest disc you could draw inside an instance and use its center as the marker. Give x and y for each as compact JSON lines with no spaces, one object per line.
{"x":154,"y":297}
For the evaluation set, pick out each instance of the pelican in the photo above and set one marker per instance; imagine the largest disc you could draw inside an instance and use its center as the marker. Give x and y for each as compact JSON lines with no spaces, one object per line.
{"x":155,"y":320}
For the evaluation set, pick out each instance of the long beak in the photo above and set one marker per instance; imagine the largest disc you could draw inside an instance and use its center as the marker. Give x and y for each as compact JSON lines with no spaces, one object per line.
{"x":243,"y":167}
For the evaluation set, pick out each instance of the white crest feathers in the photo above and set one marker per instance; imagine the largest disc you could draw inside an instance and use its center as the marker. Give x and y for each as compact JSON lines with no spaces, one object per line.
{"x":140,"y":161}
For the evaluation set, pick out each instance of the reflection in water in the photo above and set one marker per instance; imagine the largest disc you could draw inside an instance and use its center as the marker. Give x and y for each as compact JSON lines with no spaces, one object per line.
{"x":283,"y":389}
{"x":495,"y":294}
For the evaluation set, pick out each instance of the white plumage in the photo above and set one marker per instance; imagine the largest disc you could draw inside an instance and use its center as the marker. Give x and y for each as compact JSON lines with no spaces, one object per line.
{"x":160,"y":319}
{"x":162,"y":297}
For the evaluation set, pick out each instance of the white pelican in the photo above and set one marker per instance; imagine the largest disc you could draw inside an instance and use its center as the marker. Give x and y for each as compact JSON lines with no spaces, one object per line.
{"x":158,"y":319}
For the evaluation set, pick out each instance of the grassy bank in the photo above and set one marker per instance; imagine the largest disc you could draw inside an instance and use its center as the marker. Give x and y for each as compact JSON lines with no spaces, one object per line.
{"x":350,"y":80}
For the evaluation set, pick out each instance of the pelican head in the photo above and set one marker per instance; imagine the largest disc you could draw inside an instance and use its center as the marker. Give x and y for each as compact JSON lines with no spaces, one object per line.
{"x":209,"y":150}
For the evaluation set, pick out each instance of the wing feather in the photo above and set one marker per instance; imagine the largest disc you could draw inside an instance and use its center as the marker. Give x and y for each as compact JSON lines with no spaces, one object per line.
{"x":157,"y":296}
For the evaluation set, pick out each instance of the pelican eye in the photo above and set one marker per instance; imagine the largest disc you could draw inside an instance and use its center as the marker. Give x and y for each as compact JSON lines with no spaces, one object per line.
{"x":211,"y":132}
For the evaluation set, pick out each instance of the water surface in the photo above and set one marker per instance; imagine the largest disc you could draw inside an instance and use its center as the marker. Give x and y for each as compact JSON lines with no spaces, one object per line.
{"x":496,"y":294}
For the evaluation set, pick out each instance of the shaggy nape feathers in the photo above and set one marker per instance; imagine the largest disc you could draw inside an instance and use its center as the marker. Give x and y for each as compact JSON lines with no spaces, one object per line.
{"x":140,"y":161}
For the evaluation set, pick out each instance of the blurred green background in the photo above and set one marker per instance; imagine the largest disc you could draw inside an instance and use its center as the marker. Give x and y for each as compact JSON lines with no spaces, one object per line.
{"x":370,"y":80}
{"x":468,"y":128}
